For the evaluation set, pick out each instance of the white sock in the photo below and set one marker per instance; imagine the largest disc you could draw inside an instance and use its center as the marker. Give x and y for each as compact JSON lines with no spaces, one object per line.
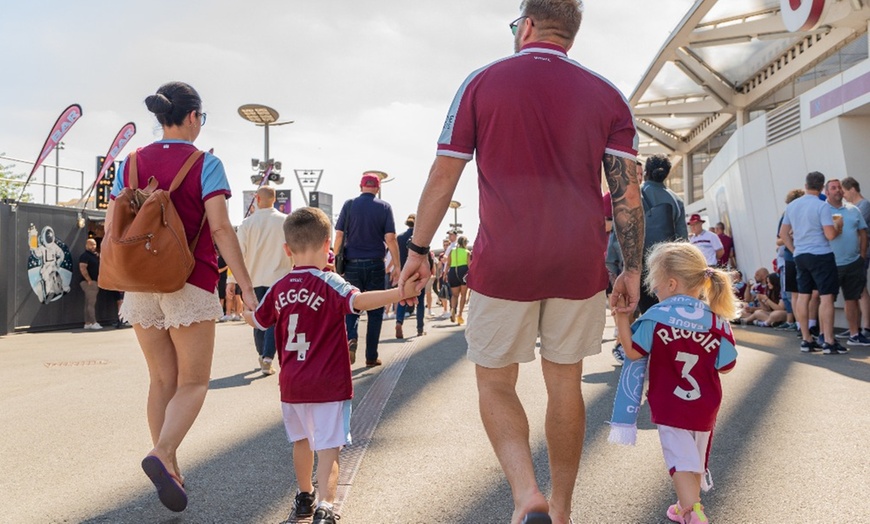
{"x":813,"y":323}
{"x":324,"y":504}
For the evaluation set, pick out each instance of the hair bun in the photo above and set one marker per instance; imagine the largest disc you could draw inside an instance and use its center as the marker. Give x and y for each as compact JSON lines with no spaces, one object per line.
{"x":158,"y":104}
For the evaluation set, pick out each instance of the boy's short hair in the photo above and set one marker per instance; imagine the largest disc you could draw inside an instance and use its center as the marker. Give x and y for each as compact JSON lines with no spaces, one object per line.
{"x":306,"y":229}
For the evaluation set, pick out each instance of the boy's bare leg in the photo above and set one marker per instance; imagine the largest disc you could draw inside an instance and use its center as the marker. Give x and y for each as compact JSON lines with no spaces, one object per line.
{"x":303,"y":463}
{"x":327,"y":473}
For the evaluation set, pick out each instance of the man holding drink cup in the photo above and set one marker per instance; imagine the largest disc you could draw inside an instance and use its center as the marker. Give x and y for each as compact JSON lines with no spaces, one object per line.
{"x":809,"y":218}
{"x":850,"y":251}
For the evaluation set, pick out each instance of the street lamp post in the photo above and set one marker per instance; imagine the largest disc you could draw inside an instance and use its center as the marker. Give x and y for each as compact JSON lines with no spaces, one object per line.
{"x":455,"y":205}
{"x":265,"y":117}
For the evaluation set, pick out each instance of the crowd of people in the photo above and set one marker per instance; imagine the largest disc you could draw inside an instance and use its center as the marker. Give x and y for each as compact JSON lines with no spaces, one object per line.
{"x":821,"y":251}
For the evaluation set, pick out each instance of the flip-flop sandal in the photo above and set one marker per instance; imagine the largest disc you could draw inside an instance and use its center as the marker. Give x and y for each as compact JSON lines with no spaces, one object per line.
{"x":169,"y":489}
{"x":536,"y":518}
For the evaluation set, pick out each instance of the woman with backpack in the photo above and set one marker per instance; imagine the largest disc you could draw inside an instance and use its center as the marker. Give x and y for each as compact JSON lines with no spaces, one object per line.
{"x":176,"y":330}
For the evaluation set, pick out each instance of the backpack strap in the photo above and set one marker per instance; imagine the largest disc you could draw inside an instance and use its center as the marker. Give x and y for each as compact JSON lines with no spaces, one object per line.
{"x":133,"y":173}
{"x":185,"y":168}
{"x":176,"y":182}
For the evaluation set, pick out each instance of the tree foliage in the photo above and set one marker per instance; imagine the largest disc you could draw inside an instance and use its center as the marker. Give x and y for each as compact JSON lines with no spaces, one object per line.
{"x":9,"y":187}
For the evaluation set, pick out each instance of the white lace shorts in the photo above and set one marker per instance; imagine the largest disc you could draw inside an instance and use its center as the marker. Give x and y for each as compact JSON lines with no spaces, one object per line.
{"x":184,"y":307}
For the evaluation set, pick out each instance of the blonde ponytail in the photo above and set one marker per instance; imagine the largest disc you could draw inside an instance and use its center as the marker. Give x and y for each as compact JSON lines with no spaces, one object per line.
{"x":719,"y":294}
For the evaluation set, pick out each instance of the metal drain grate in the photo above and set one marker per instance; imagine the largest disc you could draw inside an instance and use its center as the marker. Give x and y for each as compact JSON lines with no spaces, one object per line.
{"x":75,"y":363}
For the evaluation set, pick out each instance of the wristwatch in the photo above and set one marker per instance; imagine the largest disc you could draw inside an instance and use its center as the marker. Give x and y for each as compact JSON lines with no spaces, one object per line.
{"x":418,"y":249}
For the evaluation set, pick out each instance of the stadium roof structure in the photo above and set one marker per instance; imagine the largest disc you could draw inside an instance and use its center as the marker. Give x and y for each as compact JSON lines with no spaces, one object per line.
{"x":727,"y":58}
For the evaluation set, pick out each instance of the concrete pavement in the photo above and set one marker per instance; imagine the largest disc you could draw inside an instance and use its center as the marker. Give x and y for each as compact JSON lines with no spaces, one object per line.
{"x":790,"y":444}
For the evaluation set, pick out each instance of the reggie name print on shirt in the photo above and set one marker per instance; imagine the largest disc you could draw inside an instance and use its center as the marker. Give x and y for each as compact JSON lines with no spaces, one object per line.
{"x":298,"y":296}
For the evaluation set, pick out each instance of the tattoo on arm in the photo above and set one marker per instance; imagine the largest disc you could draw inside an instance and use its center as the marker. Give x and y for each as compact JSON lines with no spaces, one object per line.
{"x":624,"y":186}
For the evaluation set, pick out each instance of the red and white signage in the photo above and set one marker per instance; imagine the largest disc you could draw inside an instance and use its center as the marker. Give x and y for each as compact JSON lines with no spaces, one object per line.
{"x":801,"y":15}
{"x":121,"y":139}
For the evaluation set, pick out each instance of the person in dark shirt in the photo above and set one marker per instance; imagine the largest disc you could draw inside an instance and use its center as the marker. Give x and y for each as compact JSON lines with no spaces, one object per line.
{"x":403,"y":240}
{"x":365,"y":230}
{"x":89,"y":266}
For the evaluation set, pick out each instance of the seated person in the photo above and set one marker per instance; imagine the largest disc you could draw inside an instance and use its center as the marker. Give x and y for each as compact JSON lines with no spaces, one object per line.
{"x":771,"y":311}
{"x":738,"y":285}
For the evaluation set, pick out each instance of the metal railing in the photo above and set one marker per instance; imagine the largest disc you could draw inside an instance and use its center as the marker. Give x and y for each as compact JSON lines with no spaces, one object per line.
{"x":44,"y":183}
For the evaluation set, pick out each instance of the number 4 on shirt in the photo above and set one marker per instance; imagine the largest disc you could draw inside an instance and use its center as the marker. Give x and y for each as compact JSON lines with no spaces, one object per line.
{"x":300,"y":346}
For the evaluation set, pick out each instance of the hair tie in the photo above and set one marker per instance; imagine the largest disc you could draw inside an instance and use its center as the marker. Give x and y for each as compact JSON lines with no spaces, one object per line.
{"x":709,"y":272}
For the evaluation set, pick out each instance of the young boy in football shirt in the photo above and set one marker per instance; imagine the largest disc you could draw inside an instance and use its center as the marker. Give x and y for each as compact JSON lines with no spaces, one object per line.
{"x":308,"y":308}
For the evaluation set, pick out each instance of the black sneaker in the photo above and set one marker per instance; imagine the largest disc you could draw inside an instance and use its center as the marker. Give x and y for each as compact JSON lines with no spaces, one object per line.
{"x":324,"y":515}
{"x":843,"y":334}
{"x":304,"y":504}
{"x":858,"y":340}
{"x":809,"y":346}
{"x":833,"y":349}
{"x":814,"y":330}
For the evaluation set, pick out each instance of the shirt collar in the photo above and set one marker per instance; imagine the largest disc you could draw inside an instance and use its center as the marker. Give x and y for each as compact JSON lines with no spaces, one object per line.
{"x":173,"y":141}
{"x":544,"y":47}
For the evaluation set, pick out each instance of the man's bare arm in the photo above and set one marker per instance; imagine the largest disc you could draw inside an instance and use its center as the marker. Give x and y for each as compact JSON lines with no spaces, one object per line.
{"x":624,"y":186}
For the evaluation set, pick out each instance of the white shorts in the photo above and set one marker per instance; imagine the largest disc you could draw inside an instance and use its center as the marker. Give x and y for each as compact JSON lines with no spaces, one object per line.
{"x":326,"y":425}
{"x":184,"y":307}
{"x":685,"y":450}
{"x":503,"y":332}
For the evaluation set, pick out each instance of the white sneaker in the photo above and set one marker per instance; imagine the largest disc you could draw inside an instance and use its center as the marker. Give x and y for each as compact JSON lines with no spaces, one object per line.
{"x":88,"y":326}
{"x":235,"y":317}
{"x":225,"y":318}
{"x":96,"y":327}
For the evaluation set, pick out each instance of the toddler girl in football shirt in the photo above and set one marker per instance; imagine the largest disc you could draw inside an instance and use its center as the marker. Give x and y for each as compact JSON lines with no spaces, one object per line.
{"x":688,"y":339}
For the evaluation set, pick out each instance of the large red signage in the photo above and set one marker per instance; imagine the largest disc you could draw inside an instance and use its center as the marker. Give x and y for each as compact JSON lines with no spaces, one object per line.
{"x":801,"y":15}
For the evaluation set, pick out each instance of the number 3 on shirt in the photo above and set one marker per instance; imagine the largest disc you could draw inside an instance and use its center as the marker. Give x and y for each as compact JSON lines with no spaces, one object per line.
{"x":300,"y":346}
{"x":689,"y":362}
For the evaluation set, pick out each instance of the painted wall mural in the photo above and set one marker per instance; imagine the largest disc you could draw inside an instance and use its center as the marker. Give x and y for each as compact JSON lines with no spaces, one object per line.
{"x":49,"y":266}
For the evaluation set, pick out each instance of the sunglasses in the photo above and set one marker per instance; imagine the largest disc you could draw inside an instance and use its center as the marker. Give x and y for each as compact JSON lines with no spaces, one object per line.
{"x":516,"y":24}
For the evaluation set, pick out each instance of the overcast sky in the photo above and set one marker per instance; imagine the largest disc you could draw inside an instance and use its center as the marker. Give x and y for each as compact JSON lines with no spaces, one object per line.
{"x":368,"y":84}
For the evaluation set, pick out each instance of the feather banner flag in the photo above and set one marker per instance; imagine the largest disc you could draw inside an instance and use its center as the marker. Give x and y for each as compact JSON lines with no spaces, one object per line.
{"x":121,"y":139}
{"x":66,"y":120}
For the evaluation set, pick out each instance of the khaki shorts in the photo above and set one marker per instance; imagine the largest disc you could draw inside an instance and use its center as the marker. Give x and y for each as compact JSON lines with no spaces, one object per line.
{"x":184,"y":307}
{"x":503,"y":332}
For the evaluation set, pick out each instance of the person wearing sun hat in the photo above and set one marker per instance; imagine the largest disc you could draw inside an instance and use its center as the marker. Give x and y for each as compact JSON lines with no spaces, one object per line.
{"x":707,"y":241}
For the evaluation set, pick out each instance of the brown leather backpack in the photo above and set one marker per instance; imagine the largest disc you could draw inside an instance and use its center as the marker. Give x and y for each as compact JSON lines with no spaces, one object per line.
{"x":145,"y":248}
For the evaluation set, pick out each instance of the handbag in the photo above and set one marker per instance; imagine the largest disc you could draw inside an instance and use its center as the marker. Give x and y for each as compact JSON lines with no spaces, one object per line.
{"x":145,"y":248}
{"x":341,"y":254}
